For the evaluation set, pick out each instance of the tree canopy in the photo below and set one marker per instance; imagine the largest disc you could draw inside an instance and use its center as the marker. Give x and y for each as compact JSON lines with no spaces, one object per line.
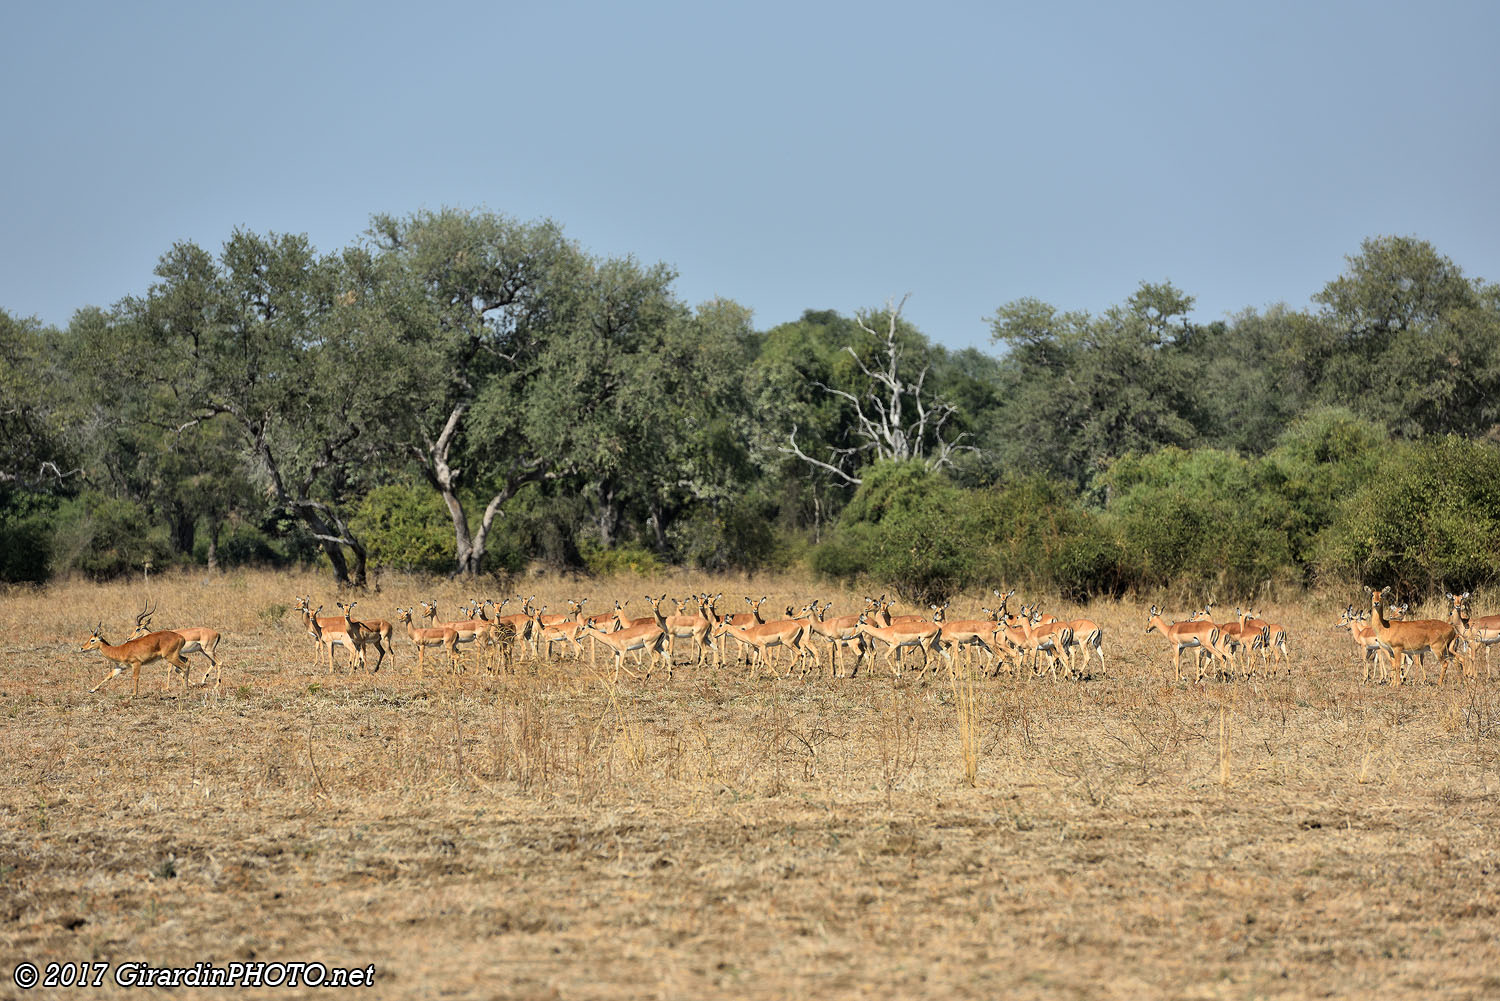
{"x":459,"y":389}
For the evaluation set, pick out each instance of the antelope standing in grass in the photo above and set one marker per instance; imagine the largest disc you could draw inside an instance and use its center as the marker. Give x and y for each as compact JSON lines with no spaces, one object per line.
{"x":766,"y":636}
{"x":646,"y":638}
{"x":1203,"y":638}
{"x":424,"y":637}
{"x":920,"y":634}
{"x":1484,"y":631}
{"x":1416,"y":636}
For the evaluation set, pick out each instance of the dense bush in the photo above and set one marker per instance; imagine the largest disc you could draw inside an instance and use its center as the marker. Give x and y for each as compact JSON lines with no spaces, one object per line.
{"x":406,"y":527}
{"x":1428,"y":519}
{"x":106,"y":537}
{"x":620,"y":559}
{"x":908,"y":527}
{"x":1197,"y":518}
{"x":25,"y":536}
{"x":239,"y":544}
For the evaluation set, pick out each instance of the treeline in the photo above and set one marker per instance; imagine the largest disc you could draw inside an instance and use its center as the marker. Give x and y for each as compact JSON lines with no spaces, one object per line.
{"x":464,"y":392}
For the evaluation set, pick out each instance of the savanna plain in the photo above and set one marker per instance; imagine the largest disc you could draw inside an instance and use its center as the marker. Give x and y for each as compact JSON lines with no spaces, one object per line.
{"x":557,"y":833}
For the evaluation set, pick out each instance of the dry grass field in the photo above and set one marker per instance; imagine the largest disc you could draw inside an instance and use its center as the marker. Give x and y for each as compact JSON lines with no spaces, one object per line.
{"x":553,"y":834}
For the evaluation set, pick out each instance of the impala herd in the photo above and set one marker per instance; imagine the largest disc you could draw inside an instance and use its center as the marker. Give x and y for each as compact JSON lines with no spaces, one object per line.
{"x":1024,"y":641}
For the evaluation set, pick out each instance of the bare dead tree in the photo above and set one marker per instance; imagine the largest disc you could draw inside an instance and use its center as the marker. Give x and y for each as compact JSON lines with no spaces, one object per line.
{"x":895,"y":419}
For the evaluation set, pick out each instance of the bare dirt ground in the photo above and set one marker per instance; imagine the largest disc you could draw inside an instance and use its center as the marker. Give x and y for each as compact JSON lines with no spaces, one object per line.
{"x":551,"y":834}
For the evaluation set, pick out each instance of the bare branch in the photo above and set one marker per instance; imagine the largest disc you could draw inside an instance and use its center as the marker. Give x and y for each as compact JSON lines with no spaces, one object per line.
{"x":880,"y":415}
{"x":797,"y":451}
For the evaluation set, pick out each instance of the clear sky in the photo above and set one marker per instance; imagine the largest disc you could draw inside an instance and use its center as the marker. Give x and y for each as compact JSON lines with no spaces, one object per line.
{"x":787,"y":155}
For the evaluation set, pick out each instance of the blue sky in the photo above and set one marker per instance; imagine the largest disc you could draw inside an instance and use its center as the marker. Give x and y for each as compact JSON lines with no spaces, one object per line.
{"x":788,"y":156}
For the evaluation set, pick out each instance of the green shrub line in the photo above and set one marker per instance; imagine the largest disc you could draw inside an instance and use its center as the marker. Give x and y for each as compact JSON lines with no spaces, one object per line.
{"x":1333,"y":501}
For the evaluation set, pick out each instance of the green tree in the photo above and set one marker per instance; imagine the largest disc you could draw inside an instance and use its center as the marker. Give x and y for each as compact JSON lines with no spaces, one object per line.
{"x":1081,"y":391}
{"x":32,"y":450}
{"x":1199,"y":517}
{"x":297,"y":352}
{"x":1413,"y":343}
{"x":1427,"y":520}
{"x":479,"y":298}
{"x":909,"y":526}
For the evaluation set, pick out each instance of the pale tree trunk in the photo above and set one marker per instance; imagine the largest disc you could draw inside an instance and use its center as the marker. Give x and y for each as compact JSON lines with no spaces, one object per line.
{"x":896,"y":419}
{"x":469,"y":546}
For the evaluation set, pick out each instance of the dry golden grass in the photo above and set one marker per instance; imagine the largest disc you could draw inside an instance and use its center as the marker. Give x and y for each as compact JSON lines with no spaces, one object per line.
{"x":554,"y":834}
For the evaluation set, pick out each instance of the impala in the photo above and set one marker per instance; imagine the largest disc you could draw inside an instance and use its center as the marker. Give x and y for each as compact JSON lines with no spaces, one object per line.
{"x":1052,"y":637}
{"x":165,"y":645}
{"x":883,"y":616}
{"x":842,"y":630}
{"x":422,"y":638}
{"x":1007,"y":642}
{"x":1367,"y":643}
{"x":511,"y":632}
{"x":196,"y":639}
{"x":903,"y":634}
{"x":965,"y":633}
{"x":647,"y":638}
{"x":737,"y":620}
{"x":567,"y":631}
{"x":1416,"y":636}
{"x":691,"y":627}
{"x":1237,"y":635}
{"x":1274,"y":639}
{"x":361,"y":636}
{"x":763,"y":637}
{"x":606,"y":622}
{"x":1484,"y":630}
{"x":1200,"y":637}
{"x":471,"y":630}
{"x":1085,"y":635}
{"x":329,"y":632}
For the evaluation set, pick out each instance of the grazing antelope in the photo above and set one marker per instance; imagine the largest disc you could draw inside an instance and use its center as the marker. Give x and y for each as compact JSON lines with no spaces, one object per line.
{"x":164,"y":645}
{"x":1200,"y":637}
{"x":196,"y":639}
{"x":1416,"y":636}
{"x":422,"y":638}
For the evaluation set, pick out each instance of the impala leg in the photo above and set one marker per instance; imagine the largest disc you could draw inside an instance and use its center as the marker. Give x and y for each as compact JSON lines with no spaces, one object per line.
{"x":114,"y":673}
{"x":213,"y":665}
